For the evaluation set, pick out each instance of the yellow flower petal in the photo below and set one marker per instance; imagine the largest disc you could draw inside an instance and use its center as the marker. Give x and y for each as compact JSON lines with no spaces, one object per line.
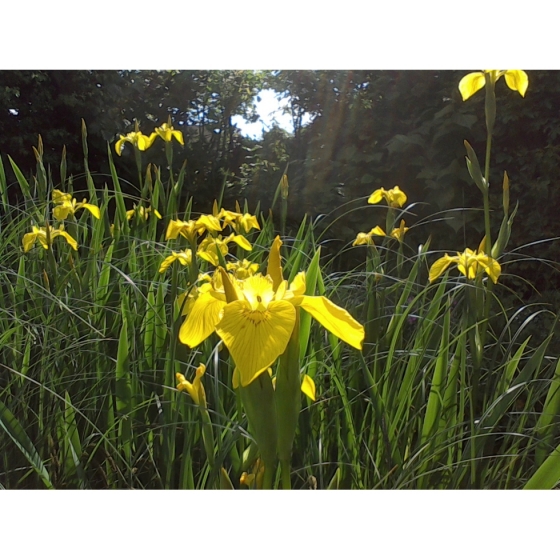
{"x":28,"y":241}
{"x":517,"y":80}
{"x":335,"y":319}
{"x":440,"y":266}
{"x":274,"y":269}
{"x":308,"y":387}
{"x":256,"y":338}
{"x":206,"y":222}
{"x":362,"y":239}
{"x":240,"y":240}
{"x":144,"y":142}
{"x":119,"y":145}
{"x":60,"y":198}
{"x":396,"y":197}
{"x":71,"y":241}
{"x":298,"y":286}
{"x":376,"y":196}
{"x":202,"y":320}
{"x":184,"y":257}
{"x":93,"y":209}
{"x":491,"y":267}
{"x":471,"y":83}
{"x":61,"y":212}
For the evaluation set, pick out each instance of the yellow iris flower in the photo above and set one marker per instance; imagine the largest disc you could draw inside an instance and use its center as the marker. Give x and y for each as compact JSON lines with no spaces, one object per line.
{"x":240,"y":222}
{"x":184,"y":257}
{"x":167,"y":132}
{"x":377,"y":231}
{"x":255,"y":317}
{"x":40,"y":234}
{"x":65,"y":205}
{"x":367,"y":238}
{"x":242,"y":269}
{"x":209,"y":247}
{"x":191,"y":229}
{"x":141,"y":141}
{"x":196,"y":388}
{"x":517,"y":80}
{"x":398,"y":233}
{"x":142,"y":212}
{"x":395,"y":197}
{"x":469,"y":263}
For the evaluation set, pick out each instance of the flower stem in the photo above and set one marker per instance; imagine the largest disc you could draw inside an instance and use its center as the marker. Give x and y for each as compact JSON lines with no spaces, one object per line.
{"x":286,"y":481}
{"x":268,"y":477}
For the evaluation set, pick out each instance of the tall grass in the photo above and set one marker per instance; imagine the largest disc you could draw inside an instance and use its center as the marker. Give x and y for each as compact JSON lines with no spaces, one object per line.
{"x":89,"y":350}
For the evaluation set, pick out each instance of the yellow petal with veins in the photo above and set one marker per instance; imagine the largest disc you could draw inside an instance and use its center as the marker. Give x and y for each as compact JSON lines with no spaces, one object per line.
{"x":202,"y":320}
{"x":255,"y":338}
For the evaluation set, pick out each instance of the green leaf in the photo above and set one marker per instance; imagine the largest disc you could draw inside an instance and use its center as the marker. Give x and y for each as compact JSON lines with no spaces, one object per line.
{"x":13,"y":429}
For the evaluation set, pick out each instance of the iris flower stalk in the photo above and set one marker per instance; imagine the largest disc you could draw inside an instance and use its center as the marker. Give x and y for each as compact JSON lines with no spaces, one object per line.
{"x":517,"y":80}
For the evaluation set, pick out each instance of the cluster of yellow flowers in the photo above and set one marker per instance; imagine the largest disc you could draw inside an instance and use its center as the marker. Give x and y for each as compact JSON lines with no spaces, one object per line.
{"x":143,"y":142}
{"x":214,"y":246}
{"x":65,"y":205}
{"x":395,"y":198}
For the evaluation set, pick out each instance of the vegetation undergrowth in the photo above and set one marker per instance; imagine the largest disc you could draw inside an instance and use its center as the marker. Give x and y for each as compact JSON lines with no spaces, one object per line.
{"x":143,"y":346}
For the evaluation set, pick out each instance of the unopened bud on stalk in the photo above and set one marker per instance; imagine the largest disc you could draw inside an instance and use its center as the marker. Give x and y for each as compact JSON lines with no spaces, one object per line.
{"x":284,"y":187}
{"x":505,"y":196}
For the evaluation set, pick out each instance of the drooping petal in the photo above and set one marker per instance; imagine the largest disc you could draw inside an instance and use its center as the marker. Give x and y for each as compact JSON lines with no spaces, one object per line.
{"x":176,"y":227}
{"x":178,"y":135}
{"x":255,"y":339}
{"x":241,"y":241}
{"x":491,"y":266}
{"x":377,"y":196}
{"x":202,"y":320}
{"x":517,"y":80}
{"x":308,"y":387}
{"x":471,"y":83}
{"x":440,"y":266}
{"x":93,"y":209}
{"x":377,"y":230}
{"x":335,"y":319}
{"x":28,"y":241}
{"x":119,"y":144}
{"x":71,"y":241}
